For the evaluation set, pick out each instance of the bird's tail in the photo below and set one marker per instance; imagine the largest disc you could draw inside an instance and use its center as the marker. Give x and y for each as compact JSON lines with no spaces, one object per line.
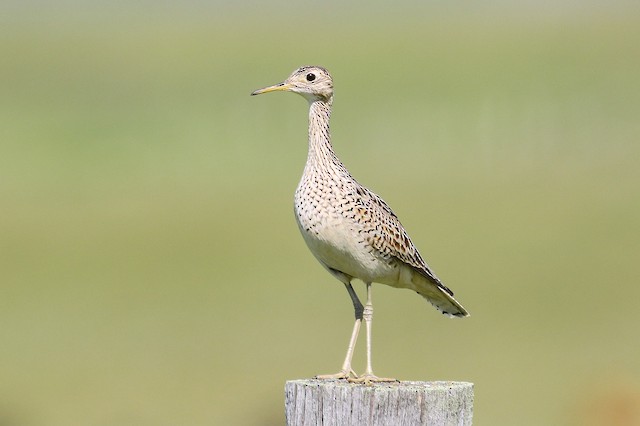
{"x":438,"y":295}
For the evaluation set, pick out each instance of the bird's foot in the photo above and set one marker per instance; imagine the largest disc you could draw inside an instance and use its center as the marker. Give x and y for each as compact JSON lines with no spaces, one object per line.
{"x":369,"y":379}
{"x":342,"y":374}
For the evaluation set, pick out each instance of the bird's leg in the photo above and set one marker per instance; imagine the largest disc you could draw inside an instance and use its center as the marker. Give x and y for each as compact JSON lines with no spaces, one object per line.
{"x":368,"y":377}
{"x":347,"y":372}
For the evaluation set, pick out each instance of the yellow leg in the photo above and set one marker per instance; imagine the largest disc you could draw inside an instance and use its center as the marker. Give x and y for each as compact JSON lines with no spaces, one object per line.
{"x":368,"y":377}
{"x":347,"y":372}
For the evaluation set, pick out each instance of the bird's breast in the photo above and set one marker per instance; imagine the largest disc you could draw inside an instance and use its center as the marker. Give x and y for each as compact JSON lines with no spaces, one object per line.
{"x":334,"y":235}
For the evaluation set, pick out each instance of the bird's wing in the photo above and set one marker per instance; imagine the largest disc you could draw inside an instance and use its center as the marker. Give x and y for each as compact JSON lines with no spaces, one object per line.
{"x":385,"y":233}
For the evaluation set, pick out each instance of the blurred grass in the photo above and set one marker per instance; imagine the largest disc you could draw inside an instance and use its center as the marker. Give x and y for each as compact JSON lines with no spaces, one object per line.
{"x":151,"y":268}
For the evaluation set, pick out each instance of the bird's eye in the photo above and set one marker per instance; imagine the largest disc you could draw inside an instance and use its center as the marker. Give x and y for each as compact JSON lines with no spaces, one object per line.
{"x":311,"y":76}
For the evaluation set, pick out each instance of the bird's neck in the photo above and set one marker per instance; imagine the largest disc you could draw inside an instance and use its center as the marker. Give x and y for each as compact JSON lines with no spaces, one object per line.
{"x":321,"y":153}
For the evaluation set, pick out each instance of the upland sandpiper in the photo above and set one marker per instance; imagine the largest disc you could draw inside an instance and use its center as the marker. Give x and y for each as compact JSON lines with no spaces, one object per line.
{"x":348,"y":228}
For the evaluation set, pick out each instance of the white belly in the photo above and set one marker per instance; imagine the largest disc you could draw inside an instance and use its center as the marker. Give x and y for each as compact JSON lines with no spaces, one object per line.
{"x":338,"y":245}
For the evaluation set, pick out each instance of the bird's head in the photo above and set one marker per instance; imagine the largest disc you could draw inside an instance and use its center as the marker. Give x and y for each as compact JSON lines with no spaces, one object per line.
{"x":312,"y":82}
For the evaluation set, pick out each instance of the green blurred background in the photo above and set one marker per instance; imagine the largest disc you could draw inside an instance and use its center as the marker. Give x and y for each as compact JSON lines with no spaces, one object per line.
{"x":151,"y":269}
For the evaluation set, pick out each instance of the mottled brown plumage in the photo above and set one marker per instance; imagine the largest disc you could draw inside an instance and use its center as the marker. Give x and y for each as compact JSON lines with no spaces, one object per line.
{"x":350,"y":230}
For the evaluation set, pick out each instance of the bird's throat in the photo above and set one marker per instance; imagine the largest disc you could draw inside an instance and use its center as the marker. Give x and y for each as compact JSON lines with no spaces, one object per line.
{"x":320,"y":149}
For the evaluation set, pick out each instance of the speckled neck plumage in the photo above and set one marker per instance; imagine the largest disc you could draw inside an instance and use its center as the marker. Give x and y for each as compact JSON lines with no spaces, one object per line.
{"x":321,"y":155}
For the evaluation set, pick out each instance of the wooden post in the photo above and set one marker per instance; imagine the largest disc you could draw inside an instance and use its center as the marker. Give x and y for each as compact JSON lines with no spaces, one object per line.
{"x":339,"y":403}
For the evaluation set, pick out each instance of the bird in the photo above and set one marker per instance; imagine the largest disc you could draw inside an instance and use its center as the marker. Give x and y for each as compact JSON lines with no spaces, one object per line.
{"x":350,"y":230}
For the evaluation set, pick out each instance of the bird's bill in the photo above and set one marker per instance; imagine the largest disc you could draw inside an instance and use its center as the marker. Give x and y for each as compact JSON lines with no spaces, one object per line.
{"x":280,"y":87}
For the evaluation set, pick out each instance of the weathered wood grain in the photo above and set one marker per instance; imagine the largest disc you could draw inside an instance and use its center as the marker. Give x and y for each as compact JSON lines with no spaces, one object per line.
{"x":339,"y":403}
